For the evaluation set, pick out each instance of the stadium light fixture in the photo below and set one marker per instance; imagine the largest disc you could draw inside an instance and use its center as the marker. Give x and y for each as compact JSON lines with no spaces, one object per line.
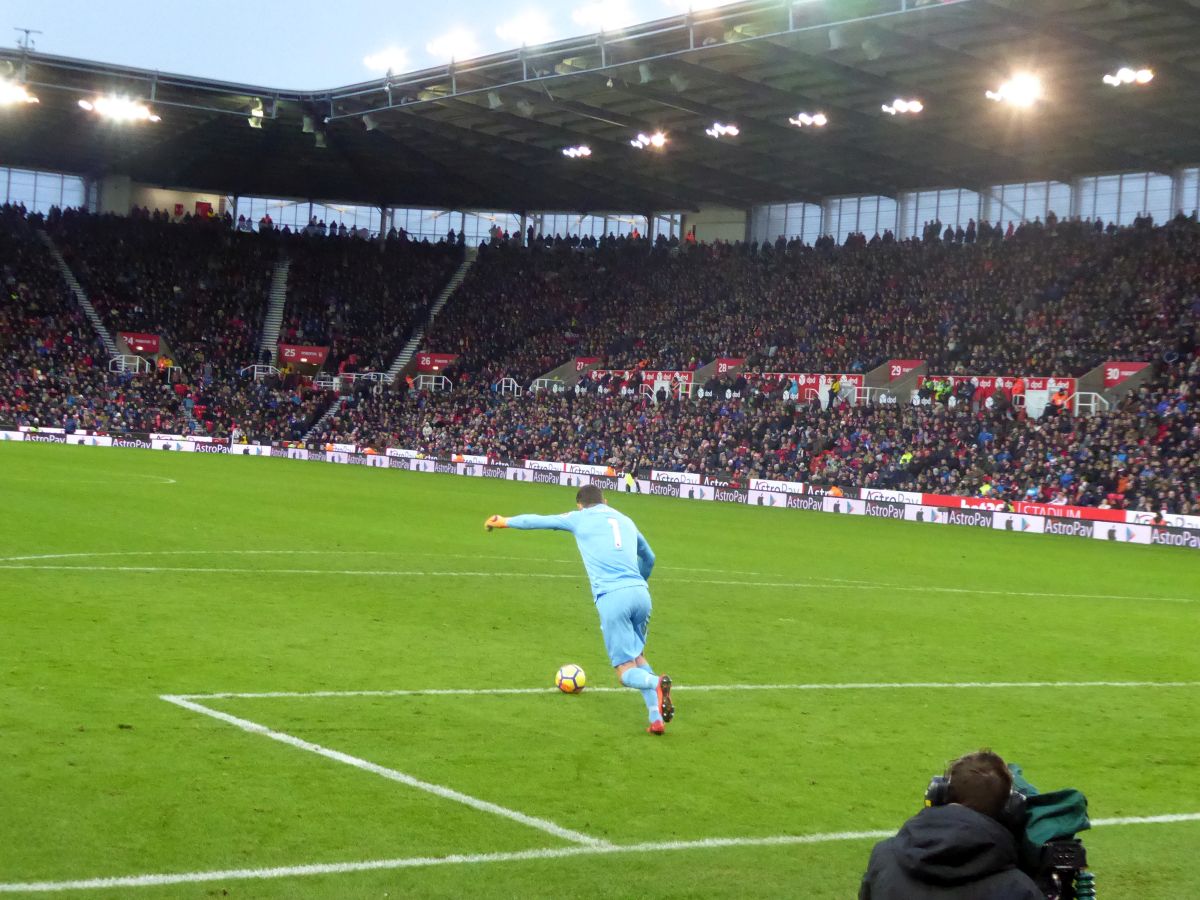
{"x":809,"y":120}
{"x":900,"y":106}
{"x":1022,"y":90}
{"x":255,"y":119}
{"x":658,"y":140}
{"x":12,"y":93}
{"x":1126,"y":75}
{"x":718,"y":130}
{"x":576,"y":152}
{"x":119,"y":109}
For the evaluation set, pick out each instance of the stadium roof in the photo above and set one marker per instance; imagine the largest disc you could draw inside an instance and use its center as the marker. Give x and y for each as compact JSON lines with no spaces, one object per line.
{"x":488,"y":133}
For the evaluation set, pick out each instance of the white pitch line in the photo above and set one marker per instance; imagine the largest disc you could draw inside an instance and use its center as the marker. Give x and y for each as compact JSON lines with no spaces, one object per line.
{"x":791,"y":585}
{"x":415,"y":862}
{"x":696,"y":688}
{"x":122,"y":553}
{"x":438,"y":790}
{"x":158,"y":479}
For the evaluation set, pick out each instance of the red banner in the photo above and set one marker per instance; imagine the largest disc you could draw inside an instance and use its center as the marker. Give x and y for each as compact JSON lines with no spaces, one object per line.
{"x":1116,"y":372}
{"x":1029,"y":509}
{"x":435,"y":362}
{"x":582,"y":362}
{"x":727,"y":363}
{"x":309,"y":356}
{"x":898,"y":368}
{"x":141,"y":343}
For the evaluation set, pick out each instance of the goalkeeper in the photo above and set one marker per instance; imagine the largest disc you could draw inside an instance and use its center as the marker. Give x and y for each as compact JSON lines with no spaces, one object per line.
{"x":618,"y":562}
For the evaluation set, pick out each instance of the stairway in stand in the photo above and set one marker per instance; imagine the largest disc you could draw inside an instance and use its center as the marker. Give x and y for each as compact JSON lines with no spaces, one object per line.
{"x":273,"y":320}
{"x":410,"y":347}
{"x":80,"y":294}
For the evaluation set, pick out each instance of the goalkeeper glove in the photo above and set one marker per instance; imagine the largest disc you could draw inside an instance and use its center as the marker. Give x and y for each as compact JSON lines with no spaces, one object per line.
{"x":495,"y":522}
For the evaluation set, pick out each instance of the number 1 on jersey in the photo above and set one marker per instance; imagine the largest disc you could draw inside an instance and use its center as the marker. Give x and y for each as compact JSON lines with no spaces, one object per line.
{"x":616,"y":533}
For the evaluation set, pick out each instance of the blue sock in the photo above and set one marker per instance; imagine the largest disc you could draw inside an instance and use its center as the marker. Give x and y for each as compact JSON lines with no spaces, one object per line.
{"x":642,"y":680}
{"x":646,"y":667}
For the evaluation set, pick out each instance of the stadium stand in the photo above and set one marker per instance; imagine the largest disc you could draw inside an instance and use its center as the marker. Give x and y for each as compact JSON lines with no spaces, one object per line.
{"x":362,"y":298}
{"x":1053,"y":298}
{"x":1058,"y":297}
{"x":53,"y":372}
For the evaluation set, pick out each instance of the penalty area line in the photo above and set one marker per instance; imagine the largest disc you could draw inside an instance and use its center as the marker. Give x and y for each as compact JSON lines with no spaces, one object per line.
{"x":686,"y":688}
{"x":437,"y":790}
{"x":415,"y":862}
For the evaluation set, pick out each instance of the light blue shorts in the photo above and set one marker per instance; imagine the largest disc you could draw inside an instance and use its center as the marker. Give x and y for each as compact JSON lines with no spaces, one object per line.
{"x":624,"y":620}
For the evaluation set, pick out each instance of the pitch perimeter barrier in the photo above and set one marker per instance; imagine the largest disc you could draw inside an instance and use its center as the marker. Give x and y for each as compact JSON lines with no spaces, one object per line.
{"x":1117,"y":526}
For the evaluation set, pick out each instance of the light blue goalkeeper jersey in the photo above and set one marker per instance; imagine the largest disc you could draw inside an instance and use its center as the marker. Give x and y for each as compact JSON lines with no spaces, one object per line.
{"x":614,"y":552}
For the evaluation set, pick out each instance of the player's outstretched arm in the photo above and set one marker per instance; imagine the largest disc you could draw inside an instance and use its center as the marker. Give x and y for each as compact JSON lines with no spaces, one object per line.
{"x":565,"y":522}
{"x":495,"y":522}
{"x":645,"y":556}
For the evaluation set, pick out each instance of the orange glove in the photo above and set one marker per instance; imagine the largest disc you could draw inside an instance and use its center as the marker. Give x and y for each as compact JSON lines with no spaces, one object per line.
{"x":495,"y":522}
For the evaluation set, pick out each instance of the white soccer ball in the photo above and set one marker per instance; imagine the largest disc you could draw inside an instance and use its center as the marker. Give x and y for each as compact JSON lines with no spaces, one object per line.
{"x":570,"y":679}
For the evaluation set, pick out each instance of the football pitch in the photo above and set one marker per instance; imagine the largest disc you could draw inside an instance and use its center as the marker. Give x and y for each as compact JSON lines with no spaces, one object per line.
{"x":252,"y":677}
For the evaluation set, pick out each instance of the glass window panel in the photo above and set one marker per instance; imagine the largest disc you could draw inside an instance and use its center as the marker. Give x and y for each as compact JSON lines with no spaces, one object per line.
{"x":1132,"y":200}
{"x":887,"y":216}
{"x":1158,"y":197}
{"x":1058,"y":199}
{"x":776,"y":222}
{"x":20,"y":187}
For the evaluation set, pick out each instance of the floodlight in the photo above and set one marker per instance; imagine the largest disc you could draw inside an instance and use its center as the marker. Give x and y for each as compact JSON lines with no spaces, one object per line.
{"x":319,"y":140}
{"x":12,"y":94}
{"x":901,"y":106}
{"x":370,"y":122}
{"x":254,"y":120}
{"x":1022,"y":90}
{"x":809,"y":120}
{"x":1126,"y":75}
{"x":718,"y":130}
{"x":576,"y":152}
{"x":658,"y":140}
{"x":119,"y":109}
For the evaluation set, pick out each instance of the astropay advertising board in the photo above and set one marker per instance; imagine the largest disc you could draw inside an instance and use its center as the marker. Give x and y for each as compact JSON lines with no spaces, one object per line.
{"x":933,"y":509}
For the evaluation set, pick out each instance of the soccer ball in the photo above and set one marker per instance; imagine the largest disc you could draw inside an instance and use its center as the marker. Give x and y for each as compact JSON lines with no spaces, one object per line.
{"x":570,"y":679}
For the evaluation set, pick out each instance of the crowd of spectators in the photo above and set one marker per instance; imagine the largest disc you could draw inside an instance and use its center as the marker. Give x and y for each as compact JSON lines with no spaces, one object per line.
{"x":363,"y":299}
{"x":53,"y":370}
{"x":1051,"y":298}
{"x":1145,"y":454}
{"x":200,"y":286}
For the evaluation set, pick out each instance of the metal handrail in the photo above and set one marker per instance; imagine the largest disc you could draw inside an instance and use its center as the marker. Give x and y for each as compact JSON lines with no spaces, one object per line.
{"x":127,"y":361}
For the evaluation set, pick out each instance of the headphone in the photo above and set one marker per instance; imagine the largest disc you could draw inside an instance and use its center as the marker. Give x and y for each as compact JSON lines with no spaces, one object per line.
{"x":1011,"y":816}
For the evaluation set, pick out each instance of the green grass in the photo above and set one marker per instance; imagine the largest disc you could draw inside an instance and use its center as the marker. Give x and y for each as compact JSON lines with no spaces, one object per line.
{"x":99,"y":777}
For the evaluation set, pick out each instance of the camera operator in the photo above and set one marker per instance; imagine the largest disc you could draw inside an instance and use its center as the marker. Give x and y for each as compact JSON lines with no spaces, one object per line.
{"x":962,"y":848}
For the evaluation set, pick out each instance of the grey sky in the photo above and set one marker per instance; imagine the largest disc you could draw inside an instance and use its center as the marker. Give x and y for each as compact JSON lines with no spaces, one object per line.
{"x":309,"y":45}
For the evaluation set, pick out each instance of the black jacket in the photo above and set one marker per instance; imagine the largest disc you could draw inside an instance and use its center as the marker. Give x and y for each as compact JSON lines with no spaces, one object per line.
{"x":947,"y":852}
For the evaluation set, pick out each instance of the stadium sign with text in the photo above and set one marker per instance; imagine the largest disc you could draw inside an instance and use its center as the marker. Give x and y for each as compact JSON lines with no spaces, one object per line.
{"x":302,"y":355}
{"x":140,"y":343}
